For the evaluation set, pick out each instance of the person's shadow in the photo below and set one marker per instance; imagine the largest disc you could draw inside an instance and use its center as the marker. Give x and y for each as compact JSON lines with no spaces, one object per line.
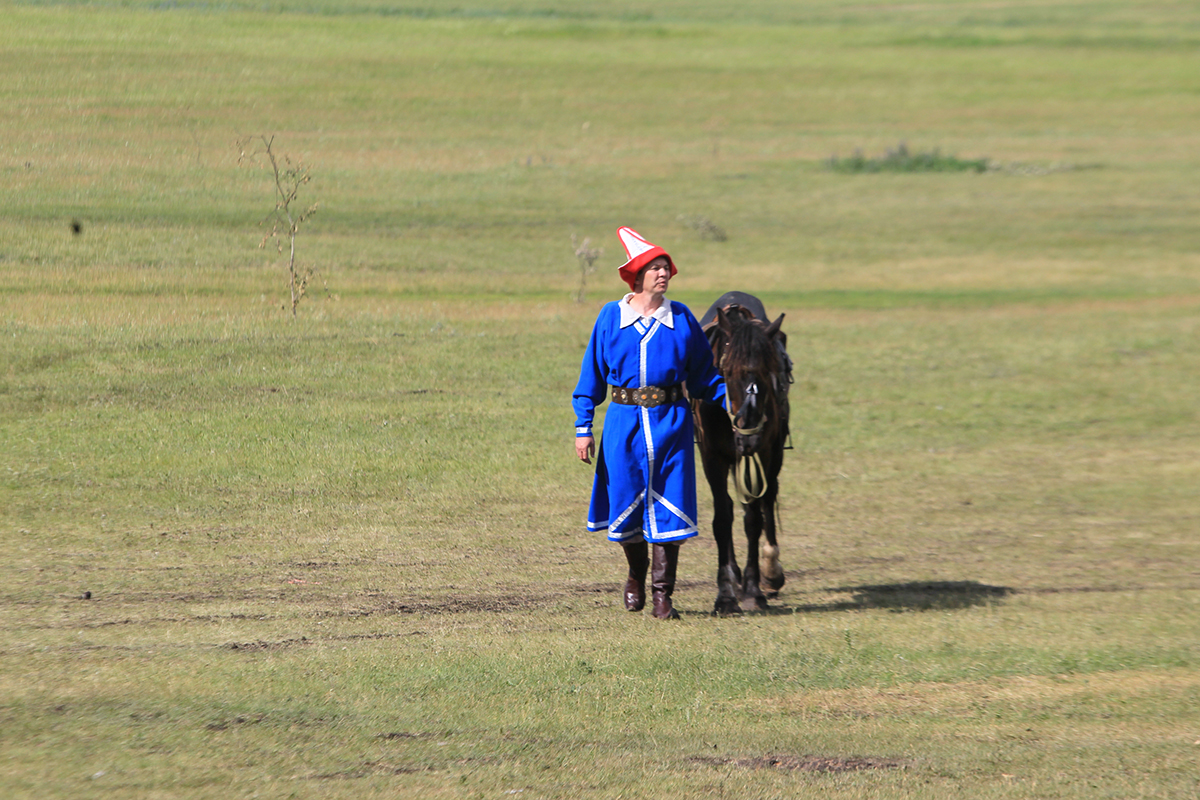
{"x":912,"y":596}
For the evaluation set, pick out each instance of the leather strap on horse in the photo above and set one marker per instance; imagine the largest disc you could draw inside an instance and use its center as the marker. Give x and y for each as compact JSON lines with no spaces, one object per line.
{"x":746,"y":431}
{"x":749,"y":480}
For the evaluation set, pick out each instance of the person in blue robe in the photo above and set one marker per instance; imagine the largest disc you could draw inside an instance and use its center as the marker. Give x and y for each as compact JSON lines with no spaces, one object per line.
{"x":643,"y":352}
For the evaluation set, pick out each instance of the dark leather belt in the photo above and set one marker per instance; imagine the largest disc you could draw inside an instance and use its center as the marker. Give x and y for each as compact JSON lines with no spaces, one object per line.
{"x":647,"y":396}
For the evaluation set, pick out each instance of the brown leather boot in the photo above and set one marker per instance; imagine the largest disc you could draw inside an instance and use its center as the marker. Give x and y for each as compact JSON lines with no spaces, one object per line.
{"x":662,"y":580}
{"x":638,"y":556}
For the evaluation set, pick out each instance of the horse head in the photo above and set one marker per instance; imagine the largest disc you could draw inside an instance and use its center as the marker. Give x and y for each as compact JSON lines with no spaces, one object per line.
{"x":748,"y":356}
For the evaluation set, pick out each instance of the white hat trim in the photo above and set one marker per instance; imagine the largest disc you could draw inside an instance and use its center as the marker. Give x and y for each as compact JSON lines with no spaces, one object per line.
{"x":635,"y":245}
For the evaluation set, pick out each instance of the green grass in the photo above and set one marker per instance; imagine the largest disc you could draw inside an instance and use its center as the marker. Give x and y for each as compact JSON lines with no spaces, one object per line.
{"x":344,"y":556}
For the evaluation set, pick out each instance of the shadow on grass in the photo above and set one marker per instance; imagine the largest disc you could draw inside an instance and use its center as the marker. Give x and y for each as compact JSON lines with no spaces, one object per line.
{"x":914,"y":596}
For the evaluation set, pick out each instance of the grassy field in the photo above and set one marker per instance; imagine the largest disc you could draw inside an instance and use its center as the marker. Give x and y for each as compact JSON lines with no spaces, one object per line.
{"x":343,"y":555}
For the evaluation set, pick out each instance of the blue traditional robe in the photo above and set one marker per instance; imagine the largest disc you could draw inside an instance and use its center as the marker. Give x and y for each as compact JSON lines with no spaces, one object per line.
{"x":646,"y":468}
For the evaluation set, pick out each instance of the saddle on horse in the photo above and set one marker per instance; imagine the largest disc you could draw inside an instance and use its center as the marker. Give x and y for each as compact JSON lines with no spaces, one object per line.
{"x":708,"y":323}
{"x":746,"y":301}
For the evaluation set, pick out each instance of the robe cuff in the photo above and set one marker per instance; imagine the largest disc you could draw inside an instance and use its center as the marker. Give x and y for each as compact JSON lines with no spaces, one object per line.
{"x":583,"y":430}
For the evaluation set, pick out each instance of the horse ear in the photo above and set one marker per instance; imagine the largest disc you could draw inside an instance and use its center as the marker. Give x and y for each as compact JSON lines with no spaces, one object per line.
{"x":723,"y":321}
{"x":774,"y":327}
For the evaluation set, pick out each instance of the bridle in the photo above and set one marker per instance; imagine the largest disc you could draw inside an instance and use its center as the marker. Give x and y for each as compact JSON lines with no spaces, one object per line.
{"x":751,"y":391}
{"x":749,"y":478}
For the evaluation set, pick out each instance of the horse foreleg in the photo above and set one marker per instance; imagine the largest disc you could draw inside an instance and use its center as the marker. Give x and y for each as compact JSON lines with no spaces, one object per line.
{"x":752,"y":596}
{"x":772,"y":570}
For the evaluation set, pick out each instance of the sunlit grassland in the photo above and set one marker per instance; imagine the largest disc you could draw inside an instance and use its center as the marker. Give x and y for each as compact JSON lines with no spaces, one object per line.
{"x":474,"y":147}
{"x":344,"y":557}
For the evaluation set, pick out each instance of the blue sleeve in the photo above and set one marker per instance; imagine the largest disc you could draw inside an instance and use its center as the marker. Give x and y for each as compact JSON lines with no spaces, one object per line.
{"x":592,"y":388}
{"x":703,"y":380}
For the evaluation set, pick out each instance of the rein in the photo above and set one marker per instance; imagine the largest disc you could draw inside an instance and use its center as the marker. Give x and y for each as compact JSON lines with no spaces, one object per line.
{"x":749,"y":479}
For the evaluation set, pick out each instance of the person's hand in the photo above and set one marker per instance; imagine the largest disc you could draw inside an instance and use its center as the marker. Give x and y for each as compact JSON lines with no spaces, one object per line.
{"x":585,"y":448}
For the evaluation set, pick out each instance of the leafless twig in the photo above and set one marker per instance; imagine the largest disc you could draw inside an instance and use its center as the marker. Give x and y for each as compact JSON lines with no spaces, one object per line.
{"x":289,"y":176}
{"x":587,"y":256}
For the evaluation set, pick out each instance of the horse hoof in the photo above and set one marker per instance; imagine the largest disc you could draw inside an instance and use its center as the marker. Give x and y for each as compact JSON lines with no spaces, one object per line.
{"x":726,"y":607}
{"x":774,"y":582}
{"x":754,"y":603}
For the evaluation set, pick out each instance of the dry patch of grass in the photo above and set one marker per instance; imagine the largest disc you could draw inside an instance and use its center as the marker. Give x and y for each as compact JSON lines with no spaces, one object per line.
{"x":1049,"y":697}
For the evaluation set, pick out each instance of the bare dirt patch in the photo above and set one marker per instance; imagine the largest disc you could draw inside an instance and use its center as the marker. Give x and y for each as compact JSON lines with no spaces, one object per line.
{"x":807,"y":763}
{"x":226,"y":724}
{"x":404,"y":735}
{"x":252,"y":647}
{"x":364,"y":770}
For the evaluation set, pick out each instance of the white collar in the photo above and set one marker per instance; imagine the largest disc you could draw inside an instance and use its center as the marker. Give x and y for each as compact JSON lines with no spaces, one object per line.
{"x":662,"y":313}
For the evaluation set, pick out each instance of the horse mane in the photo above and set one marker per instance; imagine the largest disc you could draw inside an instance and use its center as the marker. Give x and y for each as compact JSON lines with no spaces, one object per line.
{"x":749,"y":349}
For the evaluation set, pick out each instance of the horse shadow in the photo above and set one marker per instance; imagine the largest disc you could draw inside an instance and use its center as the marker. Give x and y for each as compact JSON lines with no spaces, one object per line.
{"x":910,"y":596}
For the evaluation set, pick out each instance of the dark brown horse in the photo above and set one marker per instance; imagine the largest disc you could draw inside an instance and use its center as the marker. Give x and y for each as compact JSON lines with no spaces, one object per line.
{"x":748,"y":441}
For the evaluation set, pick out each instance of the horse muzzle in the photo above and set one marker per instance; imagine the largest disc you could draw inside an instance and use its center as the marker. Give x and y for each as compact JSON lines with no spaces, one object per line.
{"x":747,"y":440}
{"x":746,"y":445}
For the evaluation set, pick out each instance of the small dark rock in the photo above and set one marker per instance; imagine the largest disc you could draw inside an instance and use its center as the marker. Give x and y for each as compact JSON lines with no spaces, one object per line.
{"x":86,"y":596}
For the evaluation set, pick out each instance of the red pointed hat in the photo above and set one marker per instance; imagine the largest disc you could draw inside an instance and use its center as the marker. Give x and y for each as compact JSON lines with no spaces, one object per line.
{"x":640,"y":254}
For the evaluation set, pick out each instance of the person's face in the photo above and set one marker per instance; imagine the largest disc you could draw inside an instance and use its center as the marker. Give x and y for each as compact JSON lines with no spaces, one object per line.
{"x":654,"y":277}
